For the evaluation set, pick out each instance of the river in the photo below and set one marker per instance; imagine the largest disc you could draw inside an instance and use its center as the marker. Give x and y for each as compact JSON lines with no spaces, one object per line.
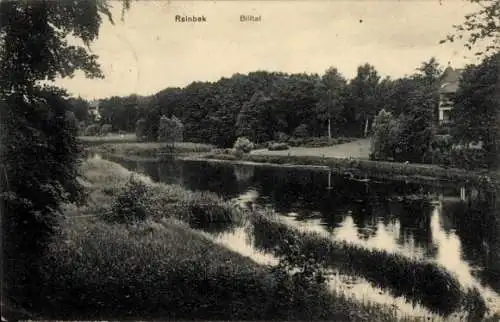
{"x":462,"y":236}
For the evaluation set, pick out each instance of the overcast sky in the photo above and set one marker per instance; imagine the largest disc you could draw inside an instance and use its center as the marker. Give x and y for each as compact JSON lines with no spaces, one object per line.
{"x":149,"y":51}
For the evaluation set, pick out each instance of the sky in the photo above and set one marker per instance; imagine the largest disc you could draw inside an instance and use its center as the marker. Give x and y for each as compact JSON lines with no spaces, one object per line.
{"x":149,"y":51}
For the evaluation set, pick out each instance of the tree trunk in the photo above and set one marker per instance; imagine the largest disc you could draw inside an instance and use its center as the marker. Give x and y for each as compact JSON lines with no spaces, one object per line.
{"x":329,"y":128}
{"x":366,"y":126}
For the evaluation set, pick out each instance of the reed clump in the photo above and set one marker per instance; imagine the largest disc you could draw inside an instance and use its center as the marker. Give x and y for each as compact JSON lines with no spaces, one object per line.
{"x":421,"y":282}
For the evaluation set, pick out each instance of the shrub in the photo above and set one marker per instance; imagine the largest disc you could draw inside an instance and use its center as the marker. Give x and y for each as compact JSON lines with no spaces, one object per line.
{"x":281,"y":137}
{"x":313,"y":142}
{"x":278,"y":147}
{"x":442,"y":142}
{"x":301,"y":131}
{"x":243,"y":144}
{"x":263,"y":145}
{"x":382,"y":143}
{"x":131,"y":205}
{"x":170,"y":130}
{"x":469,"y":159}
{"x":205,"y":210}
{"x":140,"y":129}
{"x":81,"y":128}
{"x":92,"y":130}
{"x":105,"y":129}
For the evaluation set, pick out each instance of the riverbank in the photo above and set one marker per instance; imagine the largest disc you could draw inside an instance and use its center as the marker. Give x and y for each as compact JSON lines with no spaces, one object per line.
{"x":148,"y":150}
{"x":109,"y":138}
{"x":356,"y":168}
{"x":202,"y":210}
{"x":132,"y":252}
{"x":360,"y":168}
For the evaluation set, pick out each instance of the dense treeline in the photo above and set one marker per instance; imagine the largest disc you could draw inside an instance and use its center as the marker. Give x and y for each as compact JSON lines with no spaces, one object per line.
{"x":411,"y":135}
{"x":271,"y":106}
{"x":265,"y":106}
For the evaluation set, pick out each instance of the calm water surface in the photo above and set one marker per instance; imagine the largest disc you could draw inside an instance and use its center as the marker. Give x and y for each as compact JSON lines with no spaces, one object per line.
{"x":462,"y":237}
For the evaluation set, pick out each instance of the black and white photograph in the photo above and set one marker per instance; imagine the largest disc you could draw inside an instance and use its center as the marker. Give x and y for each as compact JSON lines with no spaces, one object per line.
{"x":246,"y":160}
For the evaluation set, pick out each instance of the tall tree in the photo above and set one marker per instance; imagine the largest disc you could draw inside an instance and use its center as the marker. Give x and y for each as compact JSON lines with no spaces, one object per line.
{"x":330,"y":105}
{"x":254,"y":119}
{"x":39,"y":152}
{"x":363,"y":93}
{"x":81,"y":109}
{"x":476,"y":116}
{"x":430,"y":71}
{"x":482,"y":25}
{"x":428,"y":79}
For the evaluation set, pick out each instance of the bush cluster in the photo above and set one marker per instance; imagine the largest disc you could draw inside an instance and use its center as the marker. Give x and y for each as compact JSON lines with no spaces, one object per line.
{"x":105,"y":129}
{"x":131,"y":205}
{"x":469,"y":159}
{"x":278,"y":147}
{"x":314,"y":142}
{"x":98,"y":130}
{"x":308,"y":142}
{"x":243,"y":144}
{"x":140,"y":130}
{"x":170,"y":130}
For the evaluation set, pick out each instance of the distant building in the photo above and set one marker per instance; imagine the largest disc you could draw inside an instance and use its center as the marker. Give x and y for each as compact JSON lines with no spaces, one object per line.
{"x":448,"y":88}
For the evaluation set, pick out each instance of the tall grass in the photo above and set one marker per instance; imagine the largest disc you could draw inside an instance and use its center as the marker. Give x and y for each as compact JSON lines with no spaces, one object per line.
{"x":421,"y":282}
{"x":165,"y":270}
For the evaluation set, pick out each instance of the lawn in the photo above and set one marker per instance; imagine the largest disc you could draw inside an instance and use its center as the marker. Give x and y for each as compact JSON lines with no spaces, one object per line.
{"x":358,"y":149}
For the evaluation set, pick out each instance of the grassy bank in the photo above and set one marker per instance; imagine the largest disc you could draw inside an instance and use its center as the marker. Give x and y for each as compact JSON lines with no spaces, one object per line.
{"x":421,"y":282}
{"x":111,"y":138}
{"x":148,"y":150}
{"x":376,"y":169}
{"x":156,"y":266}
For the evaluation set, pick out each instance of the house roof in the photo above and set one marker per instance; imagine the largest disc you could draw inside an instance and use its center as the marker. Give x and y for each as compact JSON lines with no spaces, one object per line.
{"x":450,"y":80}
{"x":448,"y":87}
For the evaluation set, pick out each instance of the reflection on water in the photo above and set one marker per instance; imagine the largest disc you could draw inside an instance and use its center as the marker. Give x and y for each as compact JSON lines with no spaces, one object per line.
{"x":408,"y":219}
{"x":239,"y":240}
